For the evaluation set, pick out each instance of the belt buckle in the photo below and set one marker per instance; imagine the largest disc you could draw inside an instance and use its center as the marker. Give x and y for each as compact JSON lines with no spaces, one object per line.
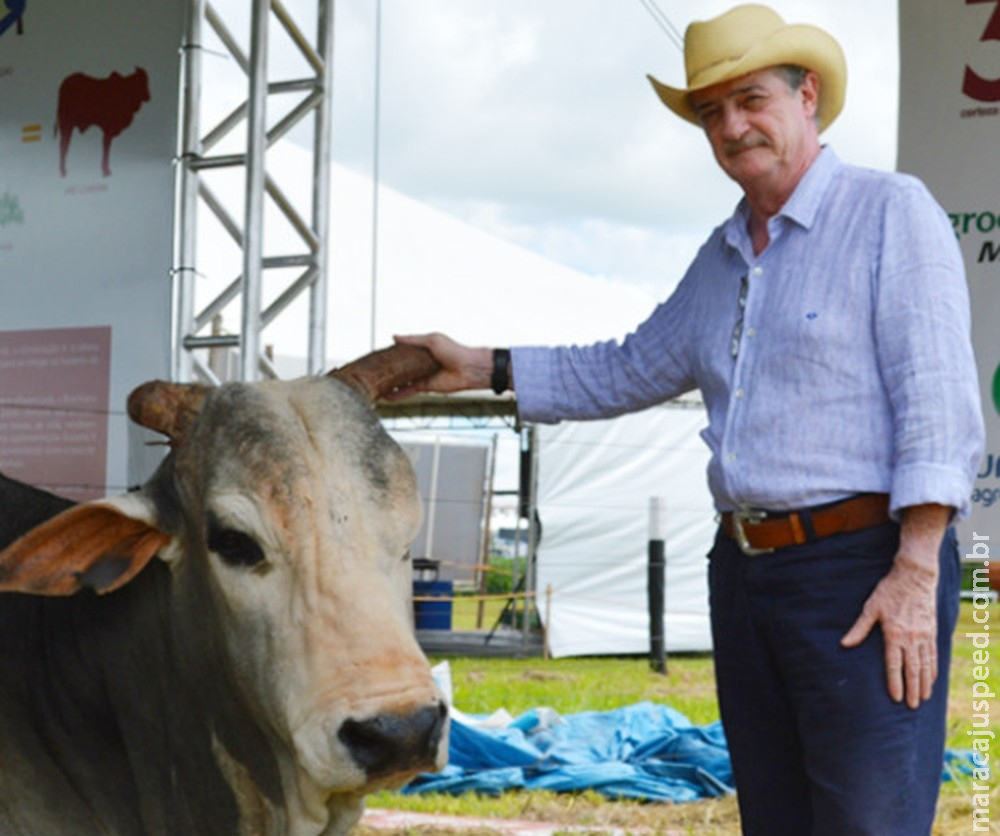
{"x":747,"y":516}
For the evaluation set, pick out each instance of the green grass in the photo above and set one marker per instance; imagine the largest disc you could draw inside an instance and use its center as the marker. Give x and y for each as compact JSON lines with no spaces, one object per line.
{"x":465,"y":613}
{"x":481,"y":686}
{"x":962,"y":679}
{"x":591,"y":684}
{"x":569,"y":686}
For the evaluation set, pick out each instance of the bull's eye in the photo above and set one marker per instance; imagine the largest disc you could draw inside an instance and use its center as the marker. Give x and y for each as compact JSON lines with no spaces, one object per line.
{"x":235,"y":547}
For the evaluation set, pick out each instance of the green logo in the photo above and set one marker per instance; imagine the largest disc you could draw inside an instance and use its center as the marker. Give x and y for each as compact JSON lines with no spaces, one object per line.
{"x":10,"y":210}
{"x":996,"y":389}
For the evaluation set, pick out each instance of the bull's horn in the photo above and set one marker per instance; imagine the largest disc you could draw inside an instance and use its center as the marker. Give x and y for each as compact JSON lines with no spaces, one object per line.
{"x":168,"y":408}
{"x":383,"y":371}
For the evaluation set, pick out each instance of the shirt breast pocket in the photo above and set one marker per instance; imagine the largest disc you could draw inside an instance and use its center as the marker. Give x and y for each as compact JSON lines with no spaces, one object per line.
{"x":825,"y":344}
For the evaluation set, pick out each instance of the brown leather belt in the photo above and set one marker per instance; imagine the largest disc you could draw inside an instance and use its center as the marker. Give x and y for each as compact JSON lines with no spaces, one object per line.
{"x":761,"y":532}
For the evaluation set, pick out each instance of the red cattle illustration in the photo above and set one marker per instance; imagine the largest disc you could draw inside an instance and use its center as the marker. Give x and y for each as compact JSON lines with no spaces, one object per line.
{"x":110,"y":103}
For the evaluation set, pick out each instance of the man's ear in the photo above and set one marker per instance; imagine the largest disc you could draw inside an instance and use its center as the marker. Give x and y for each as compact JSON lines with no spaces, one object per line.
{"x":809,"y":90}
{"x":98,"y":545}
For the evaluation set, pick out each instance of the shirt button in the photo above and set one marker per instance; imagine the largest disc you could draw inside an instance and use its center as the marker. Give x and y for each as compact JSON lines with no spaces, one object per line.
{"x":757,"y":271}
{"x":751,"y":332}
{"x":731,"y":457}
{"x":739,"y":394}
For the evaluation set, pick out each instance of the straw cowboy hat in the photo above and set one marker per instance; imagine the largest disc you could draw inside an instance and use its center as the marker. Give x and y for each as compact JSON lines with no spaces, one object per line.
{"x":749,"y":38}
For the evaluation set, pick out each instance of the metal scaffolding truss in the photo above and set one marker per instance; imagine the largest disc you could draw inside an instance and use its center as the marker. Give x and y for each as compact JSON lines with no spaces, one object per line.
{"x":265,"y":283}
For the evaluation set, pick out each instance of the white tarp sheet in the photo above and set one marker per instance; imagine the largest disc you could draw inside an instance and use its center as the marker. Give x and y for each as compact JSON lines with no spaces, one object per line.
{"x":595,"y":482}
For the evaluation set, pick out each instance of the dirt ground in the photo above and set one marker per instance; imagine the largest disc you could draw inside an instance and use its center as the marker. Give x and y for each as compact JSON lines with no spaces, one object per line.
{"x":576,"y":815}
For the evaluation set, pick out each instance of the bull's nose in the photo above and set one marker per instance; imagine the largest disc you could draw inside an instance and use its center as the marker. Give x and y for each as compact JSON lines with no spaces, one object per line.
{"x":391,"y":743}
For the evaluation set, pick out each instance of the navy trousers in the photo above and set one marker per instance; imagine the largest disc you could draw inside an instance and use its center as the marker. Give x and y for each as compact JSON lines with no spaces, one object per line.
{"x":818,"y":746}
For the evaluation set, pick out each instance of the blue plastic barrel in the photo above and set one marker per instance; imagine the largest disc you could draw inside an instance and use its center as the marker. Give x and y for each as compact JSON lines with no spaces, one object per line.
{"x":432,"y":615}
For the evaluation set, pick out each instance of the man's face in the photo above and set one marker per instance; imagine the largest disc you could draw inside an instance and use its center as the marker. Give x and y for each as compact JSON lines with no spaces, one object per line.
{"x":762,"y":132}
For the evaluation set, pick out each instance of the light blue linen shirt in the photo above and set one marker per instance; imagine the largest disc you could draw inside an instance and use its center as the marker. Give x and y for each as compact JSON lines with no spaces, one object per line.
{"x":855,"y":369}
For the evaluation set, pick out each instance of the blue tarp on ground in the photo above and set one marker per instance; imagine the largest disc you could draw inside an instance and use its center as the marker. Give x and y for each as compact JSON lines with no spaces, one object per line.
{"x":645,"y":751}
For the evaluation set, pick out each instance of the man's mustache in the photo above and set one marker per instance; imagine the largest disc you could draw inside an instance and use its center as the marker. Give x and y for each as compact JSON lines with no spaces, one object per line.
{"x":737,"y":146}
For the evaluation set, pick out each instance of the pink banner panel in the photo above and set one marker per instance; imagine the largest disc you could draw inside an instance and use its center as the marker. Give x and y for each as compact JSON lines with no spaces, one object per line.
{"x":54,"y":386}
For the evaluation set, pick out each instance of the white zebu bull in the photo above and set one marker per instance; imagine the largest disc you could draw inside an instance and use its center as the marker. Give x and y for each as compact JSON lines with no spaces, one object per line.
{"x":261,"y":676}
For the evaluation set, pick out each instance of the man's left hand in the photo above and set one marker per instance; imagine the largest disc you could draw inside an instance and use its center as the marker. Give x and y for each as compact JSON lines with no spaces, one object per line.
{"x":904,"y":604}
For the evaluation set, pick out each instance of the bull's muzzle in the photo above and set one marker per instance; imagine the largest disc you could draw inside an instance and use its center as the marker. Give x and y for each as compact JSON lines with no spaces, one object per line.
{"x":393,"y":744}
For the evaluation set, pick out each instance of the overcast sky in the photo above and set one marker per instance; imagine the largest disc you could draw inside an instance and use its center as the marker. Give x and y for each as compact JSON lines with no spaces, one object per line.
{"x":534,"y":119}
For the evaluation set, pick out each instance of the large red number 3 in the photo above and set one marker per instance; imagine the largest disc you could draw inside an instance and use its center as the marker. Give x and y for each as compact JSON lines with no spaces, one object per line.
{"x":974,"y":85}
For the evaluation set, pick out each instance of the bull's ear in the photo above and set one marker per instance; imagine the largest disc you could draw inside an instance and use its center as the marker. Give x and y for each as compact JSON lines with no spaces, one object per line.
{"x":98,"y":545}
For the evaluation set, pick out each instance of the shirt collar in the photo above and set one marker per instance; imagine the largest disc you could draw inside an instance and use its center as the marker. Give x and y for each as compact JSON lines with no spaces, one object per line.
{"x":804,"y":204}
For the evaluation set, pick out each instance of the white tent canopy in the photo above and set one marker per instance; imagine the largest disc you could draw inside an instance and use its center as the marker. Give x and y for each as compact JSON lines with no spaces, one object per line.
{"x":596,"y":480}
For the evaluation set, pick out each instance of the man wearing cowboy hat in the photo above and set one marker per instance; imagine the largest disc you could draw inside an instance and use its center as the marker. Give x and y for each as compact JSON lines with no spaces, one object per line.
{"x":826,"y":324}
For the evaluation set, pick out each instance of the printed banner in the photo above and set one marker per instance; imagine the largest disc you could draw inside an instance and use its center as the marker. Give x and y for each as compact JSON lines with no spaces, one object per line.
{"x":54,"y":408}
{"x":949,"y":122}
{"x":88,"y":135}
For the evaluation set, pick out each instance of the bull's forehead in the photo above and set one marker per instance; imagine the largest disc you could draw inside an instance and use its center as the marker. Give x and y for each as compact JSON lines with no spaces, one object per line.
{"x":275,"y":436}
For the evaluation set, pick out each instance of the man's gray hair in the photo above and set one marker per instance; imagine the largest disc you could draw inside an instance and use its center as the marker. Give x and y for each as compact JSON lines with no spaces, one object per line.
{"x":794,"y":75}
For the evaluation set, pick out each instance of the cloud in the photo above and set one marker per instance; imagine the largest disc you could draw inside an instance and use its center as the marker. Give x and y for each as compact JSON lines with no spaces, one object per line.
{"x":535,"y":121}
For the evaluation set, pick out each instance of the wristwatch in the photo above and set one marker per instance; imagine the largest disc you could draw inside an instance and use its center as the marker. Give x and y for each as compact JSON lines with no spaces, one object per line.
{"x":500,"y":381}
